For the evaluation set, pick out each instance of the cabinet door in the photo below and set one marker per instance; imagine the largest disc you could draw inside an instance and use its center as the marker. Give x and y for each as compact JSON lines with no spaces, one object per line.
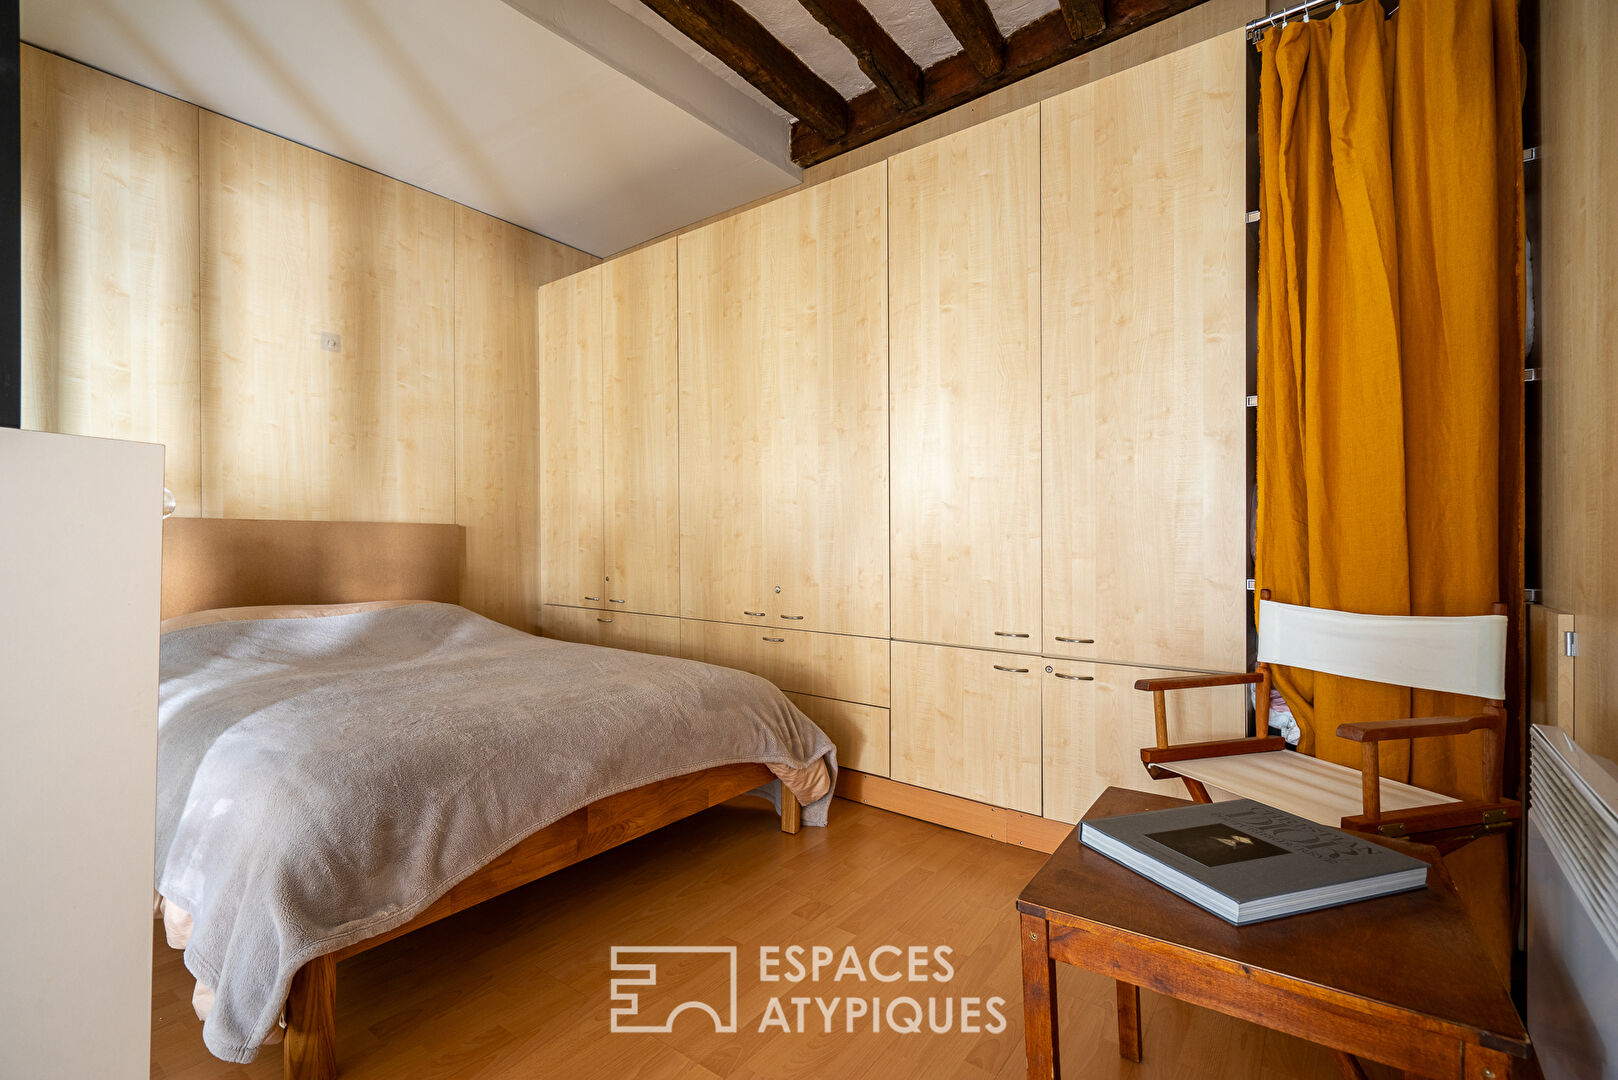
{"x":1144,"y":367}
{"x":964,"y":299}
{"x":570,"y":548}
{"x":826,"y":665}
{"x":725,"y":420}
{"x":1096,"y":723}
{"x":860,"y":732}
{"x":828,"y":357}
{"x":640,"y":440}
{"x":783,"y":411}
{"x":613,"y":629}
{"x":967,"y":722}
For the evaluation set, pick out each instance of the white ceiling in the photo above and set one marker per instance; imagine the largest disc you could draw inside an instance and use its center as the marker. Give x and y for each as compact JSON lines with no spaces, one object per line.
{"x":470,"y":99}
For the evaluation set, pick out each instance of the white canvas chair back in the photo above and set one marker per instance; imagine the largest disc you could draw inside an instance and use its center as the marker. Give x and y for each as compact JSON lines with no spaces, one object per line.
{"x":1462,"y":655}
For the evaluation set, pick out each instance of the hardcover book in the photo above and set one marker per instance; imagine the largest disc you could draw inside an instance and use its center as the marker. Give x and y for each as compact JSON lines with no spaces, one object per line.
{"x":1247,"y":862}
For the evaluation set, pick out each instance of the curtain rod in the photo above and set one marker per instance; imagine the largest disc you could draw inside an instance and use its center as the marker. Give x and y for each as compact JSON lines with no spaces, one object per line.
{"x":1304,"y":11}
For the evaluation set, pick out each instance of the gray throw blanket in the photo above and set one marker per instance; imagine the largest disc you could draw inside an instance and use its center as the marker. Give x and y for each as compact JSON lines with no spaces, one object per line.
{"x":322,"y":780}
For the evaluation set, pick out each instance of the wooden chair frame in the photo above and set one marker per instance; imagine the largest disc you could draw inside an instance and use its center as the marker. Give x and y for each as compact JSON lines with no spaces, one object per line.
{"x":1446,"y":825}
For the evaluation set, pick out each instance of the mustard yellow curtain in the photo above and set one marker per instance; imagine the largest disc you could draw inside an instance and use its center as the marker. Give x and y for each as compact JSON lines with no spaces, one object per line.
{"x":1390,"y":304}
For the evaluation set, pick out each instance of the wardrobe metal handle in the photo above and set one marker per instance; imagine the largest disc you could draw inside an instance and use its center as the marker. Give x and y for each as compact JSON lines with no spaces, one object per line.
{"x":595,"y":598}
{"x":1013,"y":670}
{"x":1075,"y":678}
{"x":793,"y":618}
{"x":610,"y":600}
{"x":1078,"y":640}
{"x":605,"y":618}
{"x":775,"y":640}
{"x":1007,"y":633}
{"x":755,"y":614}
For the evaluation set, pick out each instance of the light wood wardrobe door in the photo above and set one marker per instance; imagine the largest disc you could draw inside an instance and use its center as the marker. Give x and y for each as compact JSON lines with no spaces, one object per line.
{"x":828,"y":355}
{"x":783,"y":412}
{"x":1144,"y":368}
{"x":967,"y":722}
{"x":964,"y":297}
{"x":725,"y":420}
{"x":1096,"y":723}
{"x":570,"y":455}
{"x":613,"y":629}
{"x":640,"y":431}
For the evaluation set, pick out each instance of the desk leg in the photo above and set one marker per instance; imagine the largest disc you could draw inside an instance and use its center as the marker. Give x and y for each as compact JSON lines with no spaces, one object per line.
{"x":1484,"y":1064}
{"x":1039,"y":1001}
{"x":1128,"y":1021}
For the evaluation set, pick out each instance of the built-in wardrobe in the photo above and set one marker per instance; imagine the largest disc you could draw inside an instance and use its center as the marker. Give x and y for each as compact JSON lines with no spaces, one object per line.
{"x":951,"y":448}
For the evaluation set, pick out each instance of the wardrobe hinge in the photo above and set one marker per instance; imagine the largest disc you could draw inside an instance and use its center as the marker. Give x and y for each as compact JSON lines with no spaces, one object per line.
{"x":1530,"y":374}
{"x":1570,"y":643}
{"x":1252,"y":401}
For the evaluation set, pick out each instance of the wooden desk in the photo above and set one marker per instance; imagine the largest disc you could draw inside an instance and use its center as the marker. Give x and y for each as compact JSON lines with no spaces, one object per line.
{"x":1402,"y":979}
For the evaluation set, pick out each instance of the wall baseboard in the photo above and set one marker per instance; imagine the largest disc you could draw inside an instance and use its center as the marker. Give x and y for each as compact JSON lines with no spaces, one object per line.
{"x":952,"y":812}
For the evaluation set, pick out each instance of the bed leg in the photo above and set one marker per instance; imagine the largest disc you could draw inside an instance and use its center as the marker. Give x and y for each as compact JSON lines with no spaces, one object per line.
{"x":791,"y":812}
{"x":309,"y":1051}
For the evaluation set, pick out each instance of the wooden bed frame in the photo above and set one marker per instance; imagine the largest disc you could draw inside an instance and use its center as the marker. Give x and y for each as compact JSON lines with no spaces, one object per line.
{"x":210,"y":563}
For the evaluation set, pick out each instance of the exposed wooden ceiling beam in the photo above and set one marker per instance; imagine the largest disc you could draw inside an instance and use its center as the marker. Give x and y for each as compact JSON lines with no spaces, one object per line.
{"x":955,"y":80}
{"x":1084,"y":18}
{"x":896,"y":75}
{"x":741,"y":43}
{"x":974,"y":27}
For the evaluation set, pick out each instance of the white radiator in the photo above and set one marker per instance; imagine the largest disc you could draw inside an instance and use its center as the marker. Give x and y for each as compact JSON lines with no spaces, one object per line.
{"x":1572,"y":908}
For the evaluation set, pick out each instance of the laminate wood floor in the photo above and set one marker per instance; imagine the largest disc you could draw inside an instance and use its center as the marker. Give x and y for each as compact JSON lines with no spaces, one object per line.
{"x":518,"y":987}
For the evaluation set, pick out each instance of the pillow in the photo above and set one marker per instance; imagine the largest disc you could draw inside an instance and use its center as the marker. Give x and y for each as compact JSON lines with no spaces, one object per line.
{"x":276,"y":611}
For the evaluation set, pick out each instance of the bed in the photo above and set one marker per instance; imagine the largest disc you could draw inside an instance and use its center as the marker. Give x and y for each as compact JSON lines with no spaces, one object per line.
{"x":346,"y":755}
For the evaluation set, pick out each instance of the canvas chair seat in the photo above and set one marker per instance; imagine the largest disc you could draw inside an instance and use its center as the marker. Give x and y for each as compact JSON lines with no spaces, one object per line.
{"x":1321,"y":791}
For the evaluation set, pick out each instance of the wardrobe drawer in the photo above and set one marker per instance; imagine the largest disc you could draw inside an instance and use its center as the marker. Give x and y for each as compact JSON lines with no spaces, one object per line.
{"x":967,"y":722}
{"x":800,"y":661}
{"x":614,"y":629}
{"x":860,"y":732}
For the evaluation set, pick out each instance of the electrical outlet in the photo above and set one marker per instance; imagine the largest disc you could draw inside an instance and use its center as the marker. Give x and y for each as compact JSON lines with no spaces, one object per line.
{"x":331,"y":342}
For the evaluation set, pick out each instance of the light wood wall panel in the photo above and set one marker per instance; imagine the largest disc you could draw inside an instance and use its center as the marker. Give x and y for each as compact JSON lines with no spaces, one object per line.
{"x":570,"y":455}
{"x":967,"y":722}
{"x":640,"y":425}
{"x":109,"y":255}
{"x":296,"y":243}
{"x":1096,"y":723}
{"x":783,"y":411}
{"x":1578,"y":323}
{"x":964,"y":378}
{"x":499,"y":269}
{"x":1144,"y":367}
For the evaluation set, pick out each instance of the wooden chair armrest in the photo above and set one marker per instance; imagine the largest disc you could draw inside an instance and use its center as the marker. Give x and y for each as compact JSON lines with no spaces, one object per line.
{"x":1260,"y":744}
{"x":1416,"y":727}
{"x":1192,"y":682}
{"x":1440,"y":816}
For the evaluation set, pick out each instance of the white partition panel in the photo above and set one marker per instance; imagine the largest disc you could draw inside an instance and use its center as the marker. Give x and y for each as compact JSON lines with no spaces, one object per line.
{"x":80,"y":561}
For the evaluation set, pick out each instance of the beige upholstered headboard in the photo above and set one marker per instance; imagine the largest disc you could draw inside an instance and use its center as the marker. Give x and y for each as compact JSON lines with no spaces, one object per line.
{"x":214,"y":563}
